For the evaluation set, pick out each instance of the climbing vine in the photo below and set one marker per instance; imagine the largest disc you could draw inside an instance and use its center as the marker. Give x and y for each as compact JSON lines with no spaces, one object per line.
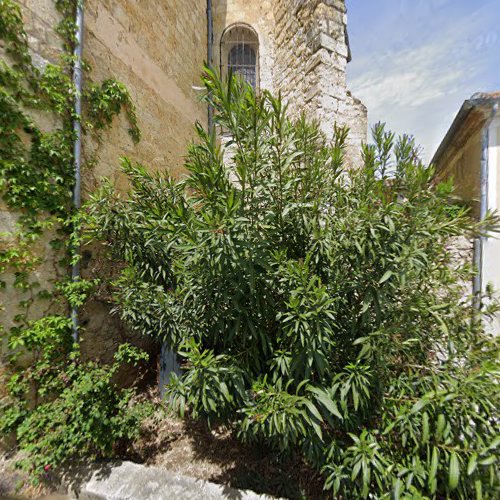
{"x":36,"y":184}
{"x":36,"y":162}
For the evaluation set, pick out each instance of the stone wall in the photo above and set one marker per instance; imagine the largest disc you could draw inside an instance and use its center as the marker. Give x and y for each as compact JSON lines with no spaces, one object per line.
{"x":40,"y":21}
{"x":157,"y":50}
{"x":462,"y":162}
{"x":310,"y":66}
{"x":303,"y":54}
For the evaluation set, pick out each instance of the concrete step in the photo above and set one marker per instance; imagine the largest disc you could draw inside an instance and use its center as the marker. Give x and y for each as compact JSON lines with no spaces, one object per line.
{"x":130,"y":481}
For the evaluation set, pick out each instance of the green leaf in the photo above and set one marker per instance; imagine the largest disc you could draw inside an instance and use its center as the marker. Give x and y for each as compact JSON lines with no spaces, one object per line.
{"x":425,"y":427}
{"x":398,"y":486}
{"x":326,"y":401}
{"x":441,"y":423}
{"x":355,"y":470}
{"x":385,"y":277}
{"x":317,"y":429}
{"x":433,"y":470}
{"x":454,"y":471}
{"x":472,"y":465}
{"x":419,"y":405}
{"x":355,"y":398}
{"x":488,"y":461}
{"x":313,"y":410}
{"x":479,"y":489}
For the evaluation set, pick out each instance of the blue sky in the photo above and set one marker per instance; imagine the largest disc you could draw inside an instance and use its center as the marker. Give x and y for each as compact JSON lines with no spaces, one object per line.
{"x":416,"y":61}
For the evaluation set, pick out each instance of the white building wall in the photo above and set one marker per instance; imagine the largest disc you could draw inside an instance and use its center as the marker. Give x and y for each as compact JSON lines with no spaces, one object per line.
{"x":491,"y":249}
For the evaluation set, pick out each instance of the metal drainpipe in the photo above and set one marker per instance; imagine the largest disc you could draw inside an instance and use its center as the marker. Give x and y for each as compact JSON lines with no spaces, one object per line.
{"x":477,"y":285}
{"x":210,"y":41}
{"x":77,"y":147}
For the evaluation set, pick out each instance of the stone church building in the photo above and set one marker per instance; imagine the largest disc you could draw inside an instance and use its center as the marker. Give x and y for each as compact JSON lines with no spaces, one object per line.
{"x":158,"y":48}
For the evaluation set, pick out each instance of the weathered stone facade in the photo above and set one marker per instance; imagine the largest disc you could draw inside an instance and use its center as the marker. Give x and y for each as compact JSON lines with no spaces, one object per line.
{"x":470,"y":155}
{"x":303,"y":53}
{"x":258,"y":15}
{"x":157,"y":49}
{"x":310,"y":65}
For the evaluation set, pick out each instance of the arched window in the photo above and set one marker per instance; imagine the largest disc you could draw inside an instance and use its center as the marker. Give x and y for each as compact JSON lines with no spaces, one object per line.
{"x":239,"y":52}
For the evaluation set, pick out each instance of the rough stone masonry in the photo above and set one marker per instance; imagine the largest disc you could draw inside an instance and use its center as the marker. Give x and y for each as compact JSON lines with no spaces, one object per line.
{"x":157,"y":49}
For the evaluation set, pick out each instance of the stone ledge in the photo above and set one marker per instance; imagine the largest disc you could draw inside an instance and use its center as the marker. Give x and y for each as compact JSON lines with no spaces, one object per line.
{"x":130,"y":481}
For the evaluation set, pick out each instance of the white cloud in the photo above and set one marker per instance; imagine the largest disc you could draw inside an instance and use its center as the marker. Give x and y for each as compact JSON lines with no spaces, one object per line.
{"x":417,"y":84}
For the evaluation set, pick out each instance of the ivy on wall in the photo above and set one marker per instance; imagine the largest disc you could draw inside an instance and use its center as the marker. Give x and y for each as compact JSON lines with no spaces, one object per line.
{"x":36,"y":165}
{"x":36,"y":184}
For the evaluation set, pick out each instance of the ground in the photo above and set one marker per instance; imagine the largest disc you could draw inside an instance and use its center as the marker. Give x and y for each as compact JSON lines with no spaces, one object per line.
{"x":191,"y":449}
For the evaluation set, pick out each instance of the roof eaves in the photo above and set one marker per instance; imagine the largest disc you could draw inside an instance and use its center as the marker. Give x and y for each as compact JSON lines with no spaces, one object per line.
{"x":480,"y":101}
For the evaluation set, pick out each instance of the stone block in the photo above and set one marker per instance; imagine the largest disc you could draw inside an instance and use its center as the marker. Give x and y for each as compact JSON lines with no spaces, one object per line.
{"x":129,"y":481}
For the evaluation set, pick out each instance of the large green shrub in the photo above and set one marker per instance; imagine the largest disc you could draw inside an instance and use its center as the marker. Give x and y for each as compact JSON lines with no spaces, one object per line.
{"x":317,"y":307}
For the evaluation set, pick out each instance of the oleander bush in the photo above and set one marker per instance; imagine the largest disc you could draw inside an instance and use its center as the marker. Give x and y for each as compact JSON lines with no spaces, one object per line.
{"x":317,"y":308}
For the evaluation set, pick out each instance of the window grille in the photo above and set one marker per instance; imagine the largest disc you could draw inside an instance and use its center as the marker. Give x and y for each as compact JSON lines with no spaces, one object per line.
{"x":240,"y":53}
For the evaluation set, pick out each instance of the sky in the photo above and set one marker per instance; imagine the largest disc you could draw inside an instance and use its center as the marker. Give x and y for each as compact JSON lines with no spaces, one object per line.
{"x":414,"y":62}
